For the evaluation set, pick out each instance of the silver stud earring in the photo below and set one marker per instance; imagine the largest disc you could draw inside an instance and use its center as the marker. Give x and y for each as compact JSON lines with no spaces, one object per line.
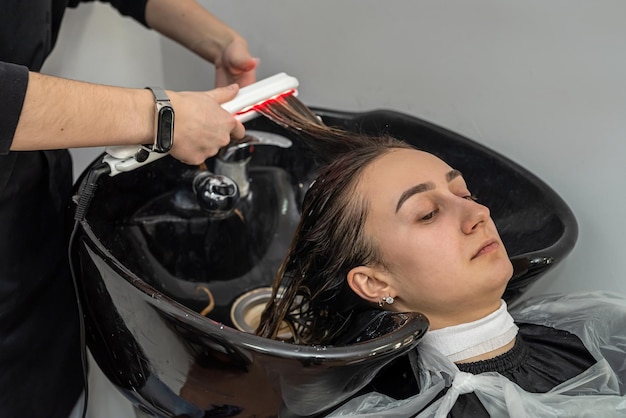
{"x":388,"y":300}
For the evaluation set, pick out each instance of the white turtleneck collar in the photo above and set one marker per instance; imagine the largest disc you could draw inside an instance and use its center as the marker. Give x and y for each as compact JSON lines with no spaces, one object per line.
{"x":463,"y":341}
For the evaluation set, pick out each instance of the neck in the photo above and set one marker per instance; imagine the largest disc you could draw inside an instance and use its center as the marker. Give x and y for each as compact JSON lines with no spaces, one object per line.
{"x":489,"y":354}
{"x":482,"y":339}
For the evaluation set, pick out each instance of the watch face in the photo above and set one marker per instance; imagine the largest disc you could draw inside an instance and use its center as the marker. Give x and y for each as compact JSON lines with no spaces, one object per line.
{"x":165,"y":129}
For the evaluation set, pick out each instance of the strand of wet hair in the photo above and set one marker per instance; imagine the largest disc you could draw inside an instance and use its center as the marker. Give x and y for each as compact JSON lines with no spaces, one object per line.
{"x":307,"y":314}
{"x":326,"y":142}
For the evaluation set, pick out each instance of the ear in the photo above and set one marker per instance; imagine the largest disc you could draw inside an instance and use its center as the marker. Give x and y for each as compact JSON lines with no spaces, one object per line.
{"x":369,"y":283}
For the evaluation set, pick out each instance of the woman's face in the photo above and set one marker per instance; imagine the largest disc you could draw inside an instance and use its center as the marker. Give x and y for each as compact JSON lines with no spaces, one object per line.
{"x":441,"y":249}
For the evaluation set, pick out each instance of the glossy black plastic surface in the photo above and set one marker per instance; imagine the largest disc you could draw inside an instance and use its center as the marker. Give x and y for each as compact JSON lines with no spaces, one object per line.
{"x":148,"y":257}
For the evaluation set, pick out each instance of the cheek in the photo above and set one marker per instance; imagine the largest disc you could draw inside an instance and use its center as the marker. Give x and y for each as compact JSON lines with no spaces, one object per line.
{"x":429,"y":269}
{"x":422,"y":256}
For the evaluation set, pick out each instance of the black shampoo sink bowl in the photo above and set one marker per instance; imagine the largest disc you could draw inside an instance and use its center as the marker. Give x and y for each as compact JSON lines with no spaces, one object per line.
{"x":198,"y":259}
{"x":171,"y":294}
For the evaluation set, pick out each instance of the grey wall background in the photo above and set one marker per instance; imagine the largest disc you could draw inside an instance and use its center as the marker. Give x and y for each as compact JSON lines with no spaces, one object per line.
{"x":541,"y":82}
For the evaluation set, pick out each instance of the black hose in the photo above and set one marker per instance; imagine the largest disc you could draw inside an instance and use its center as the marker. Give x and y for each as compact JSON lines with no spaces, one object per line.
{"x":85,"y":195}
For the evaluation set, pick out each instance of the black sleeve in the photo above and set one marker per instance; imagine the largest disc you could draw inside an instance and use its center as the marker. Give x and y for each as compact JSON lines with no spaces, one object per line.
{"x":13,"y":83}
{"x":133,"y":8}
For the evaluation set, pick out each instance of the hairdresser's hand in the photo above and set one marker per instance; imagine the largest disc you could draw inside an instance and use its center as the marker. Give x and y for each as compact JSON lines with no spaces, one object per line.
{"x":235,"y":64}
{"x":201,"y":125}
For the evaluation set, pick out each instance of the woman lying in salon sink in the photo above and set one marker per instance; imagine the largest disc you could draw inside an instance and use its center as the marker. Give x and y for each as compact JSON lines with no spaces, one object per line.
{"x":389,"y":227}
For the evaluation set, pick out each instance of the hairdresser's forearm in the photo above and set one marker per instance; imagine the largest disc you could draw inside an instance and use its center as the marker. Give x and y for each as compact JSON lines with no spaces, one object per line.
{"x":191,"y":25}
{"x":60,"y":113}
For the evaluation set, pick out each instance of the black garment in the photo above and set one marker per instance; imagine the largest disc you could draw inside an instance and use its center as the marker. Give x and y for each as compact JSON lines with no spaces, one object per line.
{"x":541,"y":359}
{"x":40,"y":369}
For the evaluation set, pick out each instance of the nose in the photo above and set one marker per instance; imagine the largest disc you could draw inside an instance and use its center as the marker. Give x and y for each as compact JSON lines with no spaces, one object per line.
{"x":474,"y":216}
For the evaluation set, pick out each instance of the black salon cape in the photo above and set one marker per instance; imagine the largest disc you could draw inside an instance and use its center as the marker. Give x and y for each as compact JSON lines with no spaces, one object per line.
{"x":40,"y":368}
{"x":542,"y":358}
{"x":569,"y":360}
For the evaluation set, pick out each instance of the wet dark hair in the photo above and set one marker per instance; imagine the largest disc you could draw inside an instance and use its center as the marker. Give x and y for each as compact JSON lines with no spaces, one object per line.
{"x":310,"y":292}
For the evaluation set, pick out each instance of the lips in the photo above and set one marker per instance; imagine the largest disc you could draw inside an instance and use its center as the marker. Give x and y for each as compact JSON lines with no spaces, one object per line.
{"x":487,"y":247}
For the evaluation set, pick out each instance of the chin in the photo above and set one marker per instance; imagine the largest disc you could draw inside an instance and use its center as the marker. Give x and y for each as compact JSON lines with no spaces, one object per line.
{"x":503,"y":267}
{"x":500,"y":268}
{"x":501,"y":275}
{"x":504,"y":278}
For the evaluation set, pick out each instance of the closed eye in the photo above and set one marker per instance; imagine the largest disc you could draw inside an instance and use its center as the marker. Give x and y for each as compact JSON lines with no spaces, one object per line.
{"x":471,"y":197}
{"x":429,"y":216}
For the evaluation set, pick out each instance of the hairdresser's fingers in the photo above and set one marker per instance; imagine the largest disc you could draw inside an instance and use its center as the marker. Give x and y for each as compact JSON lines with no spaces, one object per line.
{"x":237,"y":58}
{"x":236,"y":65}
{"x":223,"y":94}
{"x":201,"y":125}
{"x":242,"y":78}
{"x":238,"y":132}
{"x":242,"y":71}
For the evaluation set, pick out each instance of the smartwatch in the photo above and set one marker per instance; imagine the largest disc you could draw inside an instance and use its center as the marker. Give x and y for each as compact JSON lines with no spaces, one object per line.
{"x":163,"y":121}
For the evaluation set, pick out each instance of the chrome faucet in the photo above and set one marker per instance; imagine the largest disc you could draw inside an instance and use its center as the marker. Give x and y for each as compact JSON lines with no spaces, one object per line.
{"x":233,"y":161}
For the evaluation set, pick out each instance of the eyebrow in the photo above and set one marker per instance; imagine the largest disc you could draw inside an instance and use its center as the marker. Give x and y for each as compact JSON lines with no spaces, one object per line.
{"x":422,"y":187}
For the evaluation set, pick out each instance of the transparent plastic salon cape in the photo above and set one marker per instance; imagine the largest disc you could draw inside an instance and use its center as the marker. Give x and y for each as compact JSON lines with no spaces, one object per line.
{"x":598,"y":319}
